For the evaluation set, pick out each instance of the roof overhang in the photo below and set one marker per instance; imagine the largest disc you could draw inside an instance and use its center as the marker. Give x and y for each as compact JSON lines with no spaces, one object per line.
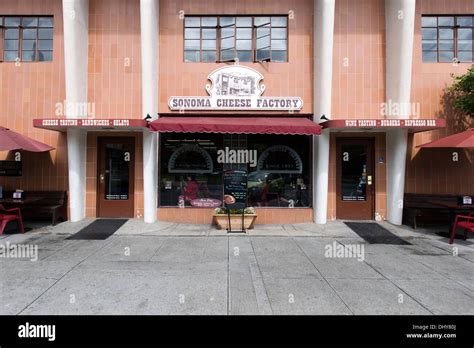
{"x":236,"y":125}
{"x":382,"y":125}
{"x":93,"y":124}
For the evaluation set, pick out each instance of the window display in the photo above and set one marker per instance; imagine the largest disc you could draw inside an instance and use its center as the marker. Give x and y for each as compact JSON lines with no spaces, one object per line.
{"x":192,"y":168}
{"x":281,"y":177}
{"x":189,"y":170}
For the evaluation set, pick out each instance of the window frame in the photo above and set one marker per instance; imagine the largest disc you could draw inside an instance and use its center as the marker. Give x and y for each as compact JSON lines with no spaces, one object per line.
{"x":269,"y":47}
{"x":21,"y":28}
{"x":1,"y":38}
{"x":219,"y":40}
{"x":455,"y":28}
{"x":253,"y":39}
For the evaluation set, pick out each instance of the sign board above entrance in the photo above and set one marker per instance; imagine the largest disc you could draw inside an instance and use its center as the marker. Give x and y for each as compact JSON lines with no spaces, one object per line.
{"x":62,"y":124}
{"x":412,"y":125}
{"x":236,"y":88}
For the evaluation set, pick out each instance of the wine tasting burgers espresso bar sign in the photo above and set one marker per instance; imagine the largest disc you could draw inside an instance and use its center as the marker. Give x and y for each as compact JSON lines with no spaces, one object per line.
{"x":235,"y":87}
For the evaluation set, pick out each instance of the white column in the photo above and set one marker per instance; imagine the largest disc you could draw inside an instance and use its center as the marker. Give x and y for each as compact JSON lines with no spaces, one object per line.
{"x":149,"y":21}
{"x":76,"y":159}
{"x":396,"y":141}
{"x":400,"y":24}
{"x":76,"y":24}
{"x":323,"y":38}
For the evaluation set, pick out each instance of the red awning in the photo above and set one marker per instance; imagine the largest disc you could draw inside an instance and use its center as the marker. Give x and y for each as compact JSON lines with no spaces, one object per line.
{"x":460,"y":140}
{"x":10,"y":141}
{"x":237,"y":125}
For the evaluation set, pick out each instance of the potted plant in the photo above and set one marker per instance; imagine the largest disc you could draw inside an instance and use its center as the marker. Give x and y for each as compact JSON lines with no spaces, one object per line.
{"x":221,"y":218}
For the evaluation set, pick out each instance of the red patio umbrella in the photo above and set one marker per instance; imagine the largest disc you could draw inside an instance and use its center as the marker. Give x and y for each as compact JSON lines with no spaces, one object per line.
{"x":10,"y":141}
{"x":459,"y":140}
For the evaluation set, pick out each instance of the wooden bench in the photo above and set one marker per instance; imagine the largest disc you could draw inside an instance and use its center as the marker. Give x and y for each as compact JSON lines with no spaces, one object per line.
{"x":48,"y":203}
{"x":416,"y":208}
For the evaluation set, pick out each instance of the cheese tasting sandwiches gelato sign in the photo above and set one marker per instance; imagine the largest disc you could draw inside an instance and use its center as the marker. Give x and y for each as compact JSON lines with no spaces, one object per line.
{"x":235,"y":88}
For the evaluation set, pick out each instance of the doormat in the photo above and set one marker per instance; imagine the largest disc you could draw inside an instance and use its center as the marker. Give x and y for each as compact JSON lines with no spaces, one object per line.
{"x":100,"y":229}
{"x":373,"y":233}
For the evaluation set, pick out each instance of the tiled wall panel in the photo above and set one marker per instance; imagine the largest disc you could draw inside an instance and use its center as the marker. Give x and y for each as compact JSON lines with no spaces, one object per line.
{"x":114,"y":77}
{"x":32,"y":90}
{"x":432,"y":170}
{"x":359,"y":59}
{"x":281,"y":79}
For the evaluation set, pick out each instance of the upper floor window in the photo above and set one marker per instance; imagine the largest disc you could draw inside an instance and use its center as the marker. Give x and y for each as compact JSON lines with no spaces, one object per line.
{"x":26,"y":38}
{"x":447,"y":38}
{"x":244,"y":39}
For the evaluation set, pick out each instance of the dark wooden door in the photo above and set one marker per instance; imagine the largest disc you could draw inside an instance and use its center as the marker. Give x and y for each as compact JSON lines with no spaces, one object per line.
{"x":355,"y":182}
{"x":115,"y":177}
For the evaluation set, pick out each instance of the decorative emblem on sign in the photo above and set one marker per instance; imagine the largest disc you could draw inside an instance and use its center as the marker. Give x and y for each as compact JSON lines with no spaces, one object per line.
{"x":235,"y":88}
{"x":280,"y":159}
{"x":235,"y":81}
{"x":190,"y":159}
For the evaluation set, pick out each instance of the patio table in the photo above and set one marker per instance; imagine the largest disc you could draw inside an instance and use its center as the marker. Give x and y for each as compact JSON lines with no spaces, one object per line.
{"x":17,"y":203}
{"x":13,"y":201}
{"x":453,"y":209}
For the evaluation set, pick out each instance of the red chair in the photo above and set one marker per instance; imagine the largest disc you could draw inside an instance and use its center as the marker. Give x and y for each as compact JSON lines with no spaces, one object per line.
{"x":5,"y":218}
{"x":465,"y":222}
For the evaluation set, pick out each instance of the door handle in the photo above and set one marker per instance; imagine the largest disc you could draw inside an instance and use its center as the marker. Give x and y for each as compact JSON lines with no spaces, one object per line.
{"x":102,"y":178}
{"x":369,"y":180}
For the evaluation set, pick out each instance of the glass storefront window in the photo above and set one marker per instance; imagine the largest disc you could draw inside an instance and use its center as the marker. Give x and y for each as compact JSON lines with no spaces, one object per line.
{"x":192,"y":165}
{"x":281,"y":177}
{"x":189,"y":168}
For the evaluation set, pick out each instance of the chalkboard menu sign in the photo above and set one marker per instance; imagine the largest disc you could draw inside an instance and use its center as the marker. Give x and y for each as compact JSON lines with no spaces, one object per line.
{"x":10,"y":168}
{"x":235,"y":189}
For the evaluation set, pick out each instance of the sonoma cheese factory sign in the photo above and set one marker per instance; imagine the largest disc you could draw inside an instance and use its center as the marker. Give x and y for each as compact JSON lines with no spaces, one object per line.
{"x":235,"y":88}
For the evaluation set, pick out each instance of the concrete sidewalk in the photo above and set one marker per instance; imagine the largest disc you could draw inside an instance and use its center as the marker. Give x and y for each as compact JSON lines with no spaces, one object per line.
{"x":169,"y":268}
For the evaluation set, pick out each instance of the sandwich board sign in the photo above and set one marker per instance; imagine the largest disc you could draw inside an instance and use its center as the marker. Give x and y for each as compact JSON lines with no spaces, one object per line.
{"x":235,"y":193}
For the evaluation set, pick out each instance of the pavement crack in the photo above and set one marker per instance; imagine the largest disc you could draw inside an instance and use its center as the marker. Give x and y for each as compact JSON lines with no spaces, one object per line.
{"x":157,"y":250}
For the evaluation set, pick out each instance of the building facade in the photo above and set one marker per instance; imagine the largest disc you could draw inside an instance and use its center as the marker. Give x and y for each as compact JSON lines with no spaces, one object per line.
{"x":149,"y":102}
